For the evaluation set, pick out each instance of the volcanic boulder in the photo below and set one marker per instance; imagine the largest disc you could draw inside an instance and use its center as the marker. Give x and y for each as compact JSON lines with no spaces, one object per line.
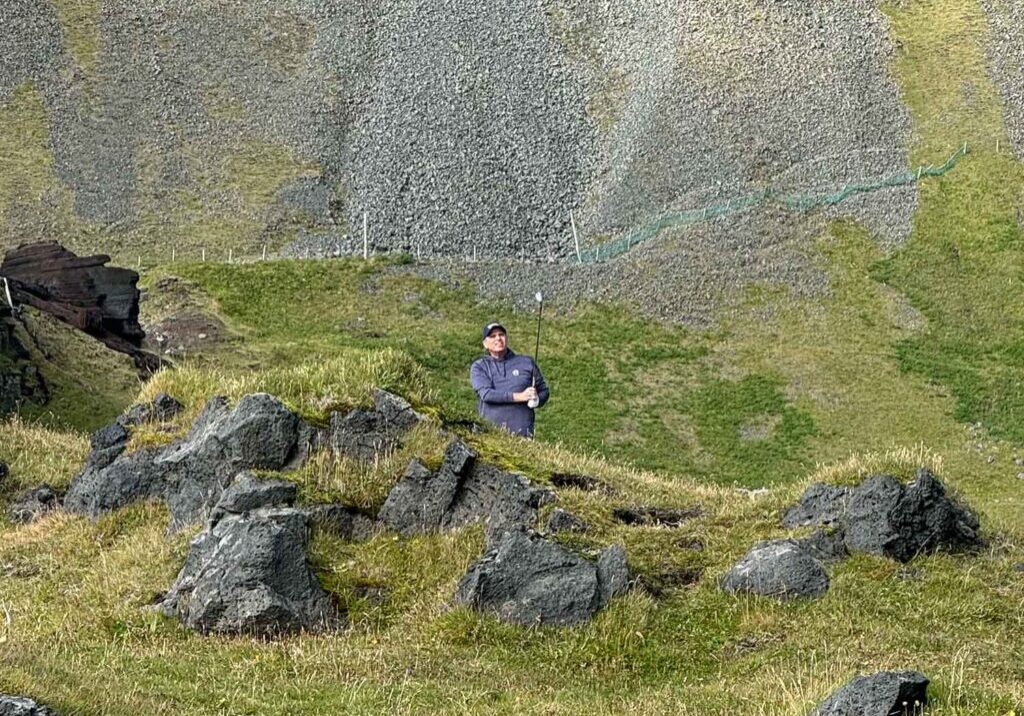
{"x":781,"y":569}
{"x":19,"y":706}
{"x":526,"y":579}
{"x":248,"y":574}
{"x":885,"y":693}
{"x":883,"y":516}
{"x":259,"y":433}
{"x":247,"y":492}
{"x":820,"y":504}
{"x":369,"y":434}
{"x":463,"y":490}
{"x":161,"y":409}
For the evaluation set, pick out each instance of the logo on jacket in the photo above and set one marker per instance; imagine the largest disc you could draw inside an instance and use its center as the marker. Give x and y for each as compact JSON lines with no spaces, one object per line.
{"x":515,"y":372}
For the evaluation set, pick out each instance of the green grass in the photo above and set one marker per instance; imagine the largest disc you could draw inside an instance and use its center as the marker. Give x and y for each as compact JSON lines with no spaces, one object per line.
{"x":88,"y":383}
{"x":625,"y":388}
{"x":882,"y":374}
{"x":693,"y":651}
{"x":963,"y":266}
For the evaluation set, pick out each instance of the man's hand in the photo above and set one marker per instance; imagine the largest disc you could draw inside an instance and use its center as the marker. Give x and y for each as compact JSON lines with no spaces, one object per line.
{"x":526,"y":396}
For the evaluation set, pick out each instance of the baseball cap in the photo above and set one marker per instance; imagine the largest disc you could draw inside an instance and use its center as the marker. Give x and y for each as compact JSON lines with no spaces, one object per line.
{"x":491,"y":326}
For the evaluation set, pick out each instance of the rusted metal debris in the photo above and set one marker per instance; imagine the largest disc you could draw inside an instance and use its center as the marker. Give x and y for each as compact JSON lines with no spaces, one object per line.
{"x":82,"y":291}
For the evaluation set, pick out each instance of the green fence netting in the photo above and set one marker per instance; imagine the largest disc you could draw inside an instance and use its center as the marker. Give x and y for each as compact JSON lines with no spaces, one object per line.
{"x":797,"y":202}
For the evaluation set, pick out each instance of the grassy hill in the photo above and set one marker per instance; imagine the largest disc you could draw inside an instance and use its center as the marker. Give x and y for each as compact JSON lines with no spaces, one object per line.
{"x":912,"y":354}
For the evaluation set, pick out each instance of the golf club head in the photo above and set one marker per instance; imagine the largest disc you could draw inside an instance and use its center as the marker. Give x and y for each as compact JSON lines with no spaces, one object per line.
{"x":539,"y":296}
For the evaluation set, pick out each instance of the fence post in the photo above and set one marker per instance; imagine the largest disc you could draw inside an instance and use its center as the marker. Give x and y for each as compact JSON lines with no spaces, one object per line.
{"x":474,"y":253}
{"x":575,"y":236}
{"x":264,"y":252}
{"x":204,"y":254}
{"x":230,"y":255}
{"x":174,"y":253}
{"x":366,"y":235}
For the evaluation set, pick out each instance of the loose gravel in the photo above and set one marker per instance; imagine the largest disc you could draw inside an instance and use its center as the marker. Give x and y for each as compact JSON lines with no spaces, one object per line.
{"x":1006,"y":55}
{"x":459,"y":129}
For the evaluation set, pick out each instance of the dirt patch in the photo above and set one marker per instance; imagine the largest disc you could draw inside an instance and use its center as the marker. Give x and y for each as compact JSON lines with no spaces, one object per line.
{"x":586,"y":483}
{"x":639,"y":516}
{"x":658,"y":584}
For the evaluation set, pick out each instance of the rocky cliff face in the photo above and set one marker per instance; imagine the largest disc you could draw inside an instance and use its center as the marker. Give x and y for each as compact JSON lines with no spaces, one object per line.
{"x":451,"y":125}
{"x":20,"y":380}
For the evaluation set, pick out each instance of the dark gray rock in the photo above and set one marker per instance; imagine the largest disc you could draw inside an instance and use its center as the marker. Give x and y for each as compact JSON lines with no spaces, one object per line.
{"x":339,"y":520}
{"x":882,"y":516}
{"x":526,"y":579}
{"x":887,"y":518}
{"x":886,"y":693}
{"x":162,"y":408}
{"x":780,"y":569}
{"x":248,"y":574}
{"x":826,"y":545}
{"x":462,"y":491}
{"x":190,"y":475}
{"x":107,"y":485}
{"x":108,"y":436}
{"x":369,"y":434}
{"x":564,"y":521}
{"x":821,"y":505}
{"x":19,"y":706}
{"x":247,"y":492}
{"x":32,"y":504}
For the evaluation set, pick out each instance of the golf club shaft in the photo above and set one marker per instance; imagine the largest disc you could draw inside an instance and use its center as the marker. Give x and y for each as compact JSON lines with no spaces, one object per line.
{"x":536,"y":352}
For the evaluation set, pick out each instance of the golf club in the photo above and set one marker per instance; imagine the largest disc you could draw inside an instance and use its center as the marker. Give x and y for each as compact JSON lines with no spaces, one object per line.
{"x":534,"y":402}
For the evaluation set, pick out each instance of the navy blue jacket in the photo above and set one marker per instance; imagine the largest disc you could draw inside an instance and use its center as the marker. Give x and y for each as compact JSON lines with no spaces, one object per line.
{"x":496,"y":380}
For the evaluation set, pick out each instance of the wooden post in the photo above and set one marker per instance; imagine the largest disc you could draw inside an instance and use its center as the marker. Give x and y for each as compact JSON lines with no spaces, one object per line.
{"x":366,"y":235}
{"x":264,"y":252}
{"x":474,"y":253}
{"x":174,"y":253}
{"x":204,"y":254}
{"x":575,"y":236}
{"x":140,"y":262}
{"x":230,"y":255}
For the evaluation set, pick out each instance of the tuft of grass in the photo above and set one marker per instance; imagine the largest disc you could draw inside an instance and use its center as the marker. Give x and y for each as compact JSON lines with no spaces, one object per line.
{"x":80,"y":20}
{"x":314,"y":389}
{"x":37,"y":454}
{"x":900,"y":462}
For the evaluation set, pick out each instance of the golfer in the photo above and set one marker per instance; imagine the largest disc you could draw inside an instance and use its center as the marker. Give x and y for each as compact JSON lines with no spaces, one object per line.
{"x":508,"y":386}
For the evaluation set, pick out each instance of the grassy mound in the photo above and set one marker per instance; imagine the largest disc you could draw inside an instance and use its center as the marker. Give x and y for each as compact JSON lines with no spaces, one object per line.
{"x":81,"y":636}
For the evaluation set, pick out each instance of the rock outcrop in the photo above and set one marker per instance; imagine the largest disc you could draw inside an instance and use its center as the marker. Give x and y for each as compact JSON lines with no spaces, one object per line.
{"x":369,"y":434}
{"x":248,"y":574}
{"x":161,"y":409}
{"x":886,"y":693}
{"x":190,"y":474}
{"x":82,"y":291}
{"x":882,"y":516}
{"x":20,"y":706}
{"x":463,"y":490}
{"x":526,"y":579}
{"x":781,"y":569}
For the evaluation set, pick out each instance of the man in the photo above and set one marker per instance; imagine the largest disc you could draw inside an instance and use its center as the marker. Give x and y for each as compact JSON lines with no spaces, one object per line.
{"x":508,"y":386}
